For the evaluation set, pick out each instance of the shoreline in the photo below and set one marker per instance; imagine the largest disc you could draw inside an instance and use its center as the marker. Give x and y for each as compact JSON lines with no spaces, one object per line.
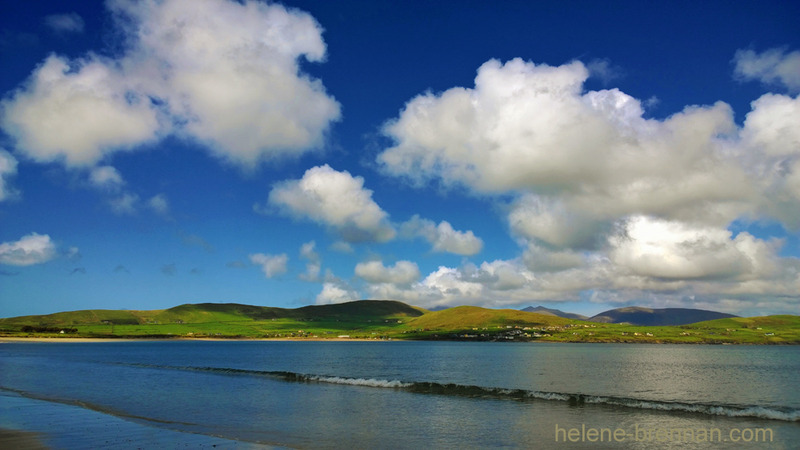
{"x":18,"y":339}
{"x":38,"y":339}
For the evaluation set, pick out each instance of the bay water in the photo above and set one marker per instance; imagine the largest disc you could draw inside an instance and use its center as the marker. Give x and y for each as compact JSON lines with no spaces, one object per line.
{"x":396,"y":394}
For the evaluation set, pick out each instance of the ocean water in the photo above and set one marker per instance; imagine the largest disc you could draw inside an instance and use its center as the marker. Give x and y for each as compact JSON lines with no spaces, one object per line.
{"x":405,"y":394}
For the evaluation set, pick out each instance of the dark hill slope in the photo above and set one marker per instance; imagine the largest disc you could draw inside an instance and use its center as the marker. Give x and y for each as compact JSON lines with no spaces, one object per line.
{"x":636,"y":315}
{"x":221,"y":312}
{"x":555,"y":312}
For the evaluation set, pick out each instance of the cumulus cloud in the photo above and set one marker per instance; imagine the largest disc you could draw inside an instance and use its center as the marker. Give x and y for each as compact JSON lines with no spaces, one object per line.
{"x":65,"y":23}
{"x":515,"y":132}
{"x":443,"y":237}
{"x":77,"y":112}
{"x":336,"y":291}
{"x":271,"y":265}
{"x":31,"y":249}
{"x":8,"y":168}
{"x":334,"y":199}
{"x":606,"y":203}
{"x":773,"y":66}
{"x":403,"y":272}
{"x":220,"y":72}
{"x":674,"y":250}
{"x":552,"y":222}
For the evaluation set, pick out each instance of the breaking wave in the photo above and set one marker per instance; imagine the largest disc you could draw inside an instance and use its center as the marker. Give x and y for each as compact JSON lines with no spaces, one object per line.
{"x":460,"y":390}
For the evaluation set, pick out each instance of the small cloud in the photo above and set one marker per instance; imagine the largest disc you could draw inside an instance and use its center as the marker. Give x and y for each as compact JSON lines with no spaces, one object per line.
{"x":193,"y":240}
{"x":443,"y":237}
{"x":169,"y":269}
{"x":8,"y":168}
{"x":271,"y":265}
{"x":604,"y":70}
{"x":125,"y":205}
{"x":74,"y":254}
{"x":65,"y":23}
{"x":336,"y":291}
{"x":342,"y":247}
{"x":335,"y":199}
{"x":106,"y":177}
{"x":652,"y":103}
{"x":313,"y":266}
{"x":159,"y":204}
{"x":772,"y":66}
{"x":29,"y":250}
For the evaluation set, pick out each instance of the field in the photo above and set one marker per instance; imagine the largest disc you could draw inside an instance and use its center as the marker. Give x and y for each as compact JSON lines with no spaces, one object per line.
{"x":372,"y":319}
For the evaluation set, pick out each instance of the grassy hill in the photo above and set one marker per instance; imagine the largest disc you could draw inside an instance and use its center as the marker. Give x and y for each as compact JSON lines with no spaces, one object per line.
{"x":636,"y":315}
{"x":555,"y":312}
{"x":382,"y":319}
{"x":464,"y":317}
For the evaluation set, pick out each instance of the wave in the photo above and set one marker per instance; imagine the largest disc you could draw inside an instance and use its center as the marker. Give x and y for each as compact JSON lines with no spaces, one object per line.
{"x":461,"y":390}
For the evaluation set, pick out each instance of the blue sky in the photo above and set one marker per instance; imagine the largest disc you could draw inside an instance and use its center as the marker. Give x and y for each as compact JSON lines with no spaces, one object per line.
{"x":574,"y":154}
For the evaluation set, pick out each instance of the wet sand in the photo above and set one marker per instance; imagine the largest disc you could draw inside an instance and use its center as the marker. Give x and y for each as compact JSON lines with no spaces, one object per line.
{"x":20,"y":440}
{"x":27,"y":423}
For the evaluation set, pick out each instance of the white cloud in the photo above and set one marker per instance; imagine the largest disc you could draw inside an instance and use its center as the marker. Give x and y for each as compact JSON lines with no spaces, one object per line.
{"x":552,"y":222}
{"x":674,"y":250}
{"x":336,"y":291}
{"x":125,"y":205}
{"x":272,"y":265}
{"x":8,"y":168}
{"x":771,"y":66}
{"x":314,"y":265}
{"x":65,"y":23}
{"x":230,"y":71}
{"x":403,"y":272}
{"x":106,"y":177}
{"x":31,"y":249}
{"x":159,"y":204}
{"x":443,"y":237}
{"x":77,"y":112}
{"x":221,"y":72}
{"x":515,"y":131}
{"x":336,"y":199}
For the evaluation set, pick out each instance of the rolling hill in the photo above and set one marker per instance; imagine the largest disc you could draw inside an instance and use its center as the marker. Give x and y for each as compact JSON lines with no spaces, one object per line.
{"x":387,"y":319}
{"x":221,"y":312}
{"x":555,"y":312}
{"x":636,"y":315}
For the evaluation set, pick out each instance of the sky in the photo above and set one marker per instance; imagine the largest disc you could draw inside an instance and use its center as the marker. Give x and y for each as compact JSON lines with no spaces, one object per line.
{"x":579,"y":155}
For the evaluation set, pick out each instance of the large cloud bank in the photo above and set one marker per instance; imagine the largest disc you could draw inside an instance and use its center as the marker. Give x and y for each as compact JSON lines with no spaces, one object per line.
{"x":608,"y":202}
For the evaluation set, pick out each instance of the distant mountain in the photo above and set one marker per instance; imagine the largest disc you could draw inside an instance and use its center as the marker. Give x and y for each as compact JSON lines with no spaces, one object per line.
{"x":223,"y":312}
{"x":554,"y":312}
{"x":636,"y":315}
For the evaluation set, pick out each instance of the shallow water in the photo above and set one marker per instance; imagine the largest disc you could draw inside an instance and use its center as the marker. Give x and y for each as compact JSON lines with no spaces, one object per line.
{"x":422,"y":394}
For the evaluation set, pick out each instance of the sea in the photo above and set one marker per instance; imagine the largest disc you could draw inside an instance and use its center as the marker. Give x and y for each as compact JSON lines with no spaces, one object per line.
{"x":400,"y":394}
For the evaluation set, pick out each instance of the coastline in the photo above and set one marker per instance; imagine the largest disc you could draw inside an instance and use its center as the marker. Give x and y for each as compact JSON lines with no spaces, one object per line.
{"x":18,"y":339}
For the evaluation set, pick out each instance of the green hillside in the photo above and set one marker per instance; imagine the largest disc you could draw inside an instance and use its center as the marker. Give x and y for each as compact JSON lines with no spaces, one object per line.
{"x":384,"y":319}
{"x":463,"y":317}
